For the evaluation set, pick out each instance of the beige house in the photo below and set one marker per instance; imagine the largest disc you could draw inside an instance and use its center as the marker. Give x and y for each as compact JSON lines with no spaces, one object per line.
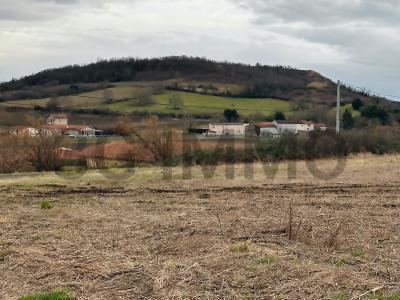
{"x":227,"y":129}
{"x":57,"y":119}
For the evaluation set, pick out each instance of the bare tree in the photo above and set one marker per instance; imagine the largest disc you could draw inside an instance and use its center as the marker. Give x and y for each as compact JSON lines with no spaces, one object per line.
{"x":158,"y":139}
{"x":124,"y":127}
{"x":54,"y":104}
{"x":175,"y":101}
{"x":12,"y":155}
{"x":143,"y":96}
{"x":108,"y":96}
{"x":44,"y":153}
{"x":155,"y":137}
{"x":33,"y":121}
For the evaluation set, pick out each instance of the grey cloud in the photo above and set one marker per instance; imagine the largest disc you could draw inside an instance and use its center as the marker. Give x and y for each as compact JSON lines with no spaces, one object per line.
{"x":42,"y":10}
{"x":324,"y":12}
{"x":30,"y":10}
{"x":361,"y":30}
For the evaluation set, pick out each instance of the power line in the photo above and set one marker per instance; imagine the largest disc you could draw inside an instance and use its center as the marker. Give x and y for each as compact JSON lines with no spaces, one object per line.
{"x":370,"y":91}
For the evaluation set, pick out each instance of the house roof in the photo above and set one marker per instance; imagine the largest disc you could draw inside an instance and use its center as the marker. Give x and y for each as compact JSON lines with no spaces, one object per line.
{"x":266,"y":124}
{"x":293,"y":122}
{"x":66,"y":127}
{"x":285,"y":122}
{"x":237,"y":124}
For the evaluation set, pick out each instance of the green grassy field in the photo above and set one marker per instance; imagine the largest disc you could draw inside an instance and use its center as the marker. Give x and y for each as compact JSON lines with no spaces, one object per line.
{"x":191,"y":102}
{"x":198,"y":103}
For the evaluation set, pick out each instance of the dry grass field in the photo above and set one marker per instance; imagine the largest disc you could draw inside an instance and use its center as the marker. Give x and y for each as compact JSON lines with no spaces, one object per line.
{"x":147,"y":238}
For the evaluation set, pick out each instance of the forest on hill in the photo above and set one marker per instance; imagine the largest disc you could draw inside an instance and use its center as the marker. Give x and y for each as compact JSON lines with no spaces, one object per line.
{"x":255,"y":81}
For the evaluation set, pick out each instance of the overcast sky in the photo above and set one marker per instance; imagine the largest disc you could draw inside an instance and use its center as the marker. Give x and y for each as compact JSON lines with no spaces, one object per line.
{"x":357,"y":41}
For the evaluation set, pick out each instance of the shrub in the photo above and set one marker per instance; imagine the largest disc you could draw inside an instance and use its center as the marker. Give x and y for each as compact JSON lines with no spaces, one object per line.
{"x":54,"y":295}
{"x":375,"y":112}
{"x":231,"y":115}
{"x":12,"y":155}
{"x":124,"y":127}
{"x":357,"y":104}
{"x":280,"y":116}
{"x":46,"y":205}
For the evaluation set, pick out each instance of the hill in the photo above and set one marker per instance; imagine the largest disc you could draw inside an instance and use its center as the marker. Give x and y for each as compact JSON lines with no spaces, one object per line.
{"x":176,"y":86}
{"x":250,"y":81}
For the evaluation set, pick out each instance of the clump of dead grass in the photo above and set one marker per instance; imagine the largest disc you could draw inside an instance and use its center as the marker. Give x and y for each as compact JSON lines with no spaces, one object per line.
{"x":266,"y":260}
{"x":240,"y":247}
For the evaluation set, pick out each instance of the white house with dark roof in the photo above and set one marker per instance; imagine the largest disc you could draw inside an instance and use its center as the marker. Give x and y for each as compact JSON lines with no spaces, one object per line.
{"x":267,"y":129}
{"x":277,"y":128}
{"x":295,"y":127}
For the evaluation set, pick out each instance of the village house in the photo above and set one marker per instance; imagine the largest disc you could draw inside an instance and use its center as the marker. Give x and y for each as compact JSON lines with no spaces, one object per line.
{"x":57,"y":119}
{"x":57,"y":125}
{"x":227,"y":129}
{"x":267,"y":129}
{"x":277,"y":128}
{"x":73,"y":131}
{"x":295,"y":127}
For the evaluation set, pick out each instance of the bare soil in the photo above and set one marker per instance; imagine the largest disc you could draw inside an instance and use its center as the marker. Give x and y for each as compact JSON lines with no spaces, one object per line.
{"x":204,"y":239}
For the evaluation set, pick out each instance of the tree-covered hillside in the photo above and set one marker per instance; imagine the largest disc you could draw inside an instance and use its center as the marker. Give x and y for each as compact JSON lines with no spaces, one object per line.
{"x":255,"y":80}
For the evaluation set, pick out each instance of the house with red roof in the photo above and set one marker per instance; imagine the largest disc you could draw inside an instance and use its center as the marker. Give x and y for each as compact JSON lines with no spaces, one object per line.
{"x":57,"y":124}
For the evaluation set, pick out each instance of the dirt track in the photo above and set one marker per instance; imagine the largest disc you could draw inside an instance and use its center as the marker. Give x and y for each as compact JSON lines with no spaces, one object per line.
{"x":188,"y":240}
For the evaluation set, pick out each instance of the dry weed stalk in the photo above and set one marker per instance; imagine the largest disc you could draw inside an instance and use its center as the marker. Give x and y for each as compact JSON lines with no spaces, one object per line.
{"x":219,"y":221}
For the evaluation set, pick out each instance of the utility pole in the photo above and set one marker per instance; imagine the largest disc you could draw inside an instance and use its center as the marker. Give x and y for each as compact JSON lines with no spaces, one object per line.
{"x":338,"y":108}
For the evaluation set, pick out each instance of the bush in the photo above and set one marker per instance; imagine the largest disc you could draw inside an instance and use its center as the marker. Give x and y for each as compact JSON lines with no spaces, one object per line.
{"x":280,"y":116}
{"x":357,"y":104}
{"x":375,"y":112}
{"x":13,"y":157}
{"x":124,"y":127}
{"x":43,"y":153}
{"x":231,"y":115}
{"x":46,"y":205}
{"x":55,"y":295}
